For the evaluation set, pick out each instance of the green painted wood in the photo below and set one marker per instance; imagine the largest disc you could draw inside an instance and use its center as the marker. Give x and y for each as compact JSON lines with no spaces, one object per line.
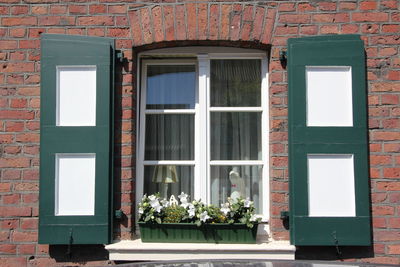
{"x":337,"y":50}
{"x":221,"y":233}
{"x":76,"y":50}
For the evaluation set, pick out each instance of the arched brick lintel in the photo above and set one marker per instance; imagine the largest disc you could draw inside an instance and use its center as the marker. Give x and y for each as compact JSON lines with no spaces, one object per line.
{"x":206,"y":23}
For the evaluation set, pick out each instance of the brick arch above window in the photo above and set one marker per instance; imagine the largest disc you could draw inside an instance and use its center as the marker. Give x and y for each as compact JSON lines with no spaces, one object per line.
{"x":202,"y":21}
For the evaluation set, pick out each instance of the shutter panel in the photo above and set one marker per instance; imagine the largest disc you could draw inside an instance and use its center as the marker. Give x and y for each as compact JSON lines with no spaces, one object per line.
{"x":76,"y":139}
{"x":328,"y":147}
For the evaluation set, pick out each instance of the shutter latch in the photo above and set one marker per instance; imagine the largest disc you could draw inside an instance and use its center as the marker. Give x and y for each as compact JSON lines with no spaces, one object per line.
{"x":338,"y":251}
{"x":120,"y":56}
{"x":283,"y":58}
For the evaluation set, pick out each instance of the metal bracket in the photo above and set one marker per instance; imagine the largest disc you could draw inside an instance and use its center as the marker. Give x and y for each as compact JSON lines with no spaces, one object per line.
{"x":120,"y":56}
{"x":118,"y":214}
{"x":71,"y":240}
{"x":284,"y":215}
{"x":283,"y":57}
{"x":338,"y":251}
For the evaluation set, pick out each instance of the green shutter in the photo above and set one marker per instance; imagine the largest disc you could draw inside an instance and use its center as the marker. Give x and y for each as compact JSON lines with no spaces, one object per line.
{"x":64,"y":50}
{"x":338,"y":50}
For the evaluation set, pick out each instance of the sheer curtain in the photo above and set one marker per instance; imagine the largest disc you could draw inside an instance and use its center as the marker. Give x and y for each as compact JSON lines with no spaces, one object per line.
{"x":169,"y":136}
{"x":235,"y":135}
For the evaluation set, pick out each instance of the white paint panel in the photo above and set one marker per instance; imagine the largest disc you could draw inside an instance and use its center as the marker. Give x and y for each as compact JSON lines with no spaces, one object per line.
{"x":75,"y":184}
{"x":76,"y":95}
{"x":329,"y":96}
{"x":331,"y":186}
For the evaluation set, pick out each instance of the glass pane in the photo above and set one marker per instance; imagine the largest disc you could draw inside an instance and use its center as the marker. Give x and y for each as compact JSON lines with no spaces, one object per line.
{"x":169,"y":180}
{"x":236,"y":136}
{"x":171,"y":86}
{"x":75,"y":181}
{"x":235,"y":181}
{"x":235,"y":83}
{"x":169,"y":137}
{"x":76,"y":96}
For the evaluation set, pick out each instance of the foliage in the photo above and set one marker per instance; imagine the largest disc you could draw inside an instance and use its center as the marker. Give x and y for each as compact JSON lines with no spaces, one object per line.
{"x":153,"y":209}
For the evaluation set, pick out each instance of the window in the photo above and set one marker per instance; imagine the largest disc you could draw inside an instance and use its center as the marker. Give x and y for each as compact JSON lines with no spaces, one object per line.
{"x":203,"y":126}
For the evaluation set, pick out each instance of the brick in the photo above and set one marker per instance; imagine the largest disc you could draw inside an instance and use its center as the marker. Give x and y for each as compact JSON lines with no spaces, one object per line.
{"x":391,"y":28}
{"x":14,"y":261}
{"x":389,"y":4}
{"x":26,"y":249}
{"x":17,"y":32}
{"x":6,"y":138}
{"x":378,"y":222}
{"x":294,"y":18}
{"x":387,"y":51}
{"x":385,"y":136}
{"x":385,"y":87}
{"x":286,"y":7}
{"x":9,"y":67}
{"x":258,"y":23}
{"x":15,"y":211}
{"x":4,"y":10}
{"x":370,"y":28}
{"x":202,"y":22}
{"x":387,"y":235}
{"x":30,"y":198}
{"x":327,"y":6}
{"x":18,"y":236}
{"x":96,"y":20}
{"x":191,"y":16}
{"x":305,"y":7}
{"x":119,"y":32}
{"x":368,"y":5}
{"x":8,"y":249}
{"x":392,"y":148}
{"x":14,"y":162}
{"x":58,"y":9}
{"x":146,"y":25}
{"x":382,"y":210}
{"x":180,"y":22}
{"x":386,"y":40}
{"x":11,"y":174}
{"x":225,"y":26}
{"x":29,"y":91}
{"x":39,"y":10}
{"x":329,"y":29}
{"x":16,"y":114}
{"x":19,"y":21}
{"x":391,"y":172}
{"x":388,"y":186}
{"x":17,"y":56}
{"x":26,"y":187}
{"x":97,"y":9}
{"x":370,"y":17}
{"x":11,"y":199}
{"x":32,"y":125}
{"x":31,"y":223}
{"x":78,"y":9}
{"x":12,"y":150}
{"x":168,"y":19}
{"x":380,"y":160}
{"x":56,"y":20}
{"x":117,"y":9}
{"x":309,"y":30}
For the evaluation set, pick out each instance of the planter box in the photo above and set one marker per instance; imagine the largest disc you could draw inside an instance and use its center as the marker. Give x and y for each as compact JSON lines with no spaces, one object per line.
{"x":190,"y":233}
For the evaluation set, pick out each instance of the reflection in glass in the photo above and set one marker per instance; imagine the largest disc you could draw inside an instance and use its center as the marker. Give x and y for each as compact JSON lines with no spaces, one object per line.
{"x":168,"y":180}
{"x":236,"y":136}
{"x":235,"y":83}
{"x":171,"y":86}
{"x":169,"y":137}
{"x":236,"y":181}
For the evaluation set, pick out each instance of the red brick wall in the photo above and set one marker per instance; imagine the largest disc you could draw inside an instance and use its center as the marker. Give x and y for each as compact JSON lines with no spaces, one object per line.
{"x":149,"y":24}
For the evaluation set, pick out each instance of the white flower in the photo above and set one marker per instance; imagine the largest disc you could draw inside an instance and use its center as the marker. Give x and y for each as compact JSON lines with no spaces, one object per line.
{"x":254,"y":217}
{"x":247,"y":203}
{"x":158,"y":208}
{"x":204,"y":216}
{"x":191,"y":211}
{"x":225,"y":208}
{"x":183,"y":195}
{"x":141,"y":211}
{"x":165,"y":203}
{"x":185,"y":204}
{"x":154,"y":203}
{"x":152,"y":197}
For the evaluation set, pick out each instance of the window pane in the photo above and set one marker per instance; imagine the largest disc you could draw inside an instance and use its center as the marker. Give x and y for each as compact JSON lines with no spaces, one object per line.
{"x":169,"y":179}
{"x":235,"y":181}
{"x":169,"y":137}
{"x":236,"y":136}
{"x":236,"y":83}
{"x":171,"y":86}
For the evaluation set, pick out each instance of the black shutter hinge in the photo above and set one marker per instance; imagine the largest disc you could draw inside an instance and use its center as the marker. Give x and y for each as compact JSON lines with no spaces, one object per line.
{"x":118,"y":214}
{"x":120,"y":56}
{"x":338,"y":251}
{"x":285,"y":215}
{"x":283,"y":57}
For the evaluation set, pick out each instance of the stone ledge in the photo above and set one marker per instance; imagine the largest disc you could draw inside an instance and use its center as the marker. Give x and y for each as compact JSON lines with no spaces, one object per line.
{"x":136,"y":250}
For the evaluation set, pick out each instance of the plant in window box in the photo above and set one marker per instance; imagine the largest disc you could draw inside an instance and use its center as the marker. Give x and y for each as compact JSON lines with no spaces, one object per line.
{"x":182,"y":221}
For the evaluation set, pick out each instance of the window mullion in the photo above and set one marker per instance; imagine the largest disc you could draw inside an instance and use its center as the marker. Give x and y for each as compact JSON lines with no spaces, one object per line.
{"x":201,"y":189}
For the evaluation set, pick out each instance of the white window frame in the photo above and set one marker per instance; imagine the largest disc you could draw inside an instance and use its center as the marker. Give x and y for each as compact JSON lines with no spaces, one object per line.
{"x":201,"y":56}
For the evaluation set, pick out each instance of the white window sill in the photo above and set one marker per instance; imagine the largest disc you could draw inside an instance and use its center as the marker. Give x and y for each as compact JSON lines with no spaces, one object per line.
{"x":136,"y":250}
